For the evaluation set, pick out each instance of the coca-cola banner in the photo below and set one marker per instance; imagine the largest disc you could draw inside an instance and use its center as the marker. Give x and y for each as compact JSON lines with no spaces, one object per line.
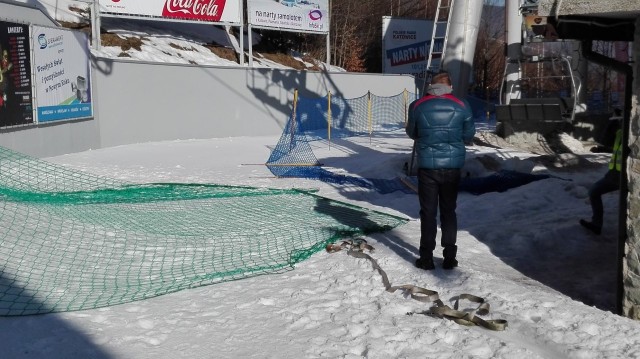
{"x":304,"y":15}
{"x":224,"y":11}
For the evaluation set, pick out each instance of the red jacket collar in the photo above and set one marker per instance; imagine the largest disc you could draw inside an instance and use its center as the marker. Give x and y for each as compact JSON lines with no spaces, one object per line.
{"x":445,"y":96}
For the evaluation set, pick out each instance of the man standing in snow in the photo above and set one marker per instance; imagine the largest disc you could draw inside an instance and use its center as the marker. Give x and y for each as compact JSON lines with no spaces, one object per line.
{"x":609,"y":183}
{"x":441,"y":124}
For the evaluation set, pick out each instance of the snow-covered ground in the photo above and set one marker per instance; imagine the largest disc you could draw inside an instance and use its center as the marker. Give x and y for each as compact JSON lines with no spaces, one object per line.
{"x":522,"y":250}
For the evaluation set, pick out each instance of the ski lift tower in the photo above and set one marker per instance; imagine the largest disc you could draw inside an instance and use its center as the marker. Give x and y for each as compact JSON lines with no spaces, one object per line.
{"x":514,"y":48}
{"x":463,"y":31}
{"x":453,"y":41}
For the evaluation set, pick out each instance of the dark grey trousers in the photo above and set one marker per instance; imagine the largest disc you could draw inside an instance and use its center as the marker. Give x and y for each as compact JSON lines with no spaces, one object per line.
{"x":438,"y":190}
{"x":609,"y":183}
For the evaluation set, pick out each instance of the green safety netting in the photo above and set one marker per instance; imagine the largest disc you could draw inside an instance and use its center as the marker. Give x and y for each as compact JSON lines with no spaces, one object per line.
{"x":71,"y":240}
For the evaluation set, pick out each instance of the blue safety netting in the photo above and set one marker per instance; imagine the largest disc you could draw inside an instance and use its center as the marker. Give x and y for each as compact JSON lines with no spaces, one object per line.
{"x":332,"y":117}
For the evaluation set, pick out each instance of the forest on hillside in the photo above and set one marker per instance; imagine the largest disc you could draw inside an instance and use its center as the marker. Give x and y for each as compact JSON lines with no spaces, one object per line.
{"x":356,"y":36}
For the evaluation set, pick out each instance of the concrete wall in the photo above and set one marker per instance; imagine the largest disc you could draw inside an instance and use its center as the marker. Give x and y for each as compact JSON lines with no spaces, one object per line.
{"x":631,"y":267}
{"x":141,"y":102}
{"x":24,"y":13}
{"x":53,"y":138}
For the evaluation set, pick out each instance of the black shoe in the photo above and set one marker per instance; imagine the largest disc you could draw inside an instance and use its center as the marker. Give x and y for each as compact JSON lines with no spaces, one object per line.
{"x":590,"y":226}
{"x":424,"y":263}
{"x":449,"y":263}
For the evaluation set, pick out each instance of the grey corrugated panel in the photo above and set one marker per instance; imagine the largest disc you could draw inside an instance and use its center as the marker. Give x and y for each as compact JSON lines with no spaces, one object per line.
{"x":14,"y":11}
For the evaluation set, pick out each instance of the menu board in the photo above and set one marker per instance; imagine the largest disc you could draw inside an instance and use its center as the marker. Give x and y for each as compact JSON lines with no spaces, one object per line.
{"x":16,"y":97}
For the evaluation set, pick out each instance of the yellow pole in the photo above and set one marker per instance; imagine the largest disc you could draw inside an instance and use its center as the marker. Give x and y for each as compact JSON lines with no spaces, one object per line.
{"x":293,"y":119}
{"x":369,"y":115}
{"x":329,"y":118}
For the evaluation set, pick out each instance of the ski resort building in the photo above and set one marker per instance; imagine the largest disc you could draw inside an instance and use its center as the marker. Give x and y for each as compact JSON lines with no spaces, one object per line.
{"x":613,"y":20}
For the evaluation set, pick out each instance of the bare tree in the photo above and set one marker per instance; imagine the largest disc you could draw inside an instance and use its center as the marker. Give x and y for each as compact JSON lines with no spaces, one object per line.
{"x":356,"y":29}
{"x":356,"y":36}
{"x":489,"y":58}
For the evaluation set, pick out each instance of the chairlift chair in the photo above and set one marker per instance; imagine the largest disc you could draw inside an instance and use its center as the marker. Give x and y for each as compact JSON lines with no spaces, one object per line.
{"x":539,"y":114}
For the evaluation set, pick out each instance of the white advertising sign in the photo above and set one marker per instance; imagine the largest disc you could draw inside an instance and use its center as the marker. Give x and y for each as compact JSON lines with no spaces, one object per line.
{"x":227,"y":11}
{"x":304,"y":15}
{"x":62,"y":74}
{"x":405,"y":46}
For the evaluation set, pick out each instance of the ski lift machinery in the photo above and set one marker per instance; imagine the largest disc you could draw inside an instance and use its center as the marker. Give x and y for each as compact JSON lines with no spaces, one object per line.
{"x":553,"y":74}
{"x":543,"y":114}
{"x":569,"y":105}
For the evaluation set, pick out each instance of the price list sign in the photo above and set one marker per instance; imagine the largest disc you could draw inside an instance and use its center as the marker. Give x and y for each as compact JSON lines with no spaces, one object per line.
{"x":16,"y":96}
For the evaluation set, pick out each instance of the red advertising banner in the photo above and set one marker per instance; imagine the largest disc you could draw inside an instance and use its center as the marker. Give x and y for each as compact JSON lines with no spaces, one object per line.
{"x":227,"y":11}
{"x":205,"y":10}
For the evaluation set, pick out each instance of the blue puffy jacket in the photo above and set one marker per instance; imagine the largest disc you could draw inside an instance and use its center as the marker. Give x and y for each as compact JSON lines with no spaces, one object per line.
{"x":441,"y":125}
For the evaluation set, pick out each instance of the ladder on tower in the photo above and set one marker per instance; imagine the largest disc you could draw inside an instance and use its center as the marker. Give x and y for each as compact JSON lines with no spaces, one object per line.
{"x":439,"y":37}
